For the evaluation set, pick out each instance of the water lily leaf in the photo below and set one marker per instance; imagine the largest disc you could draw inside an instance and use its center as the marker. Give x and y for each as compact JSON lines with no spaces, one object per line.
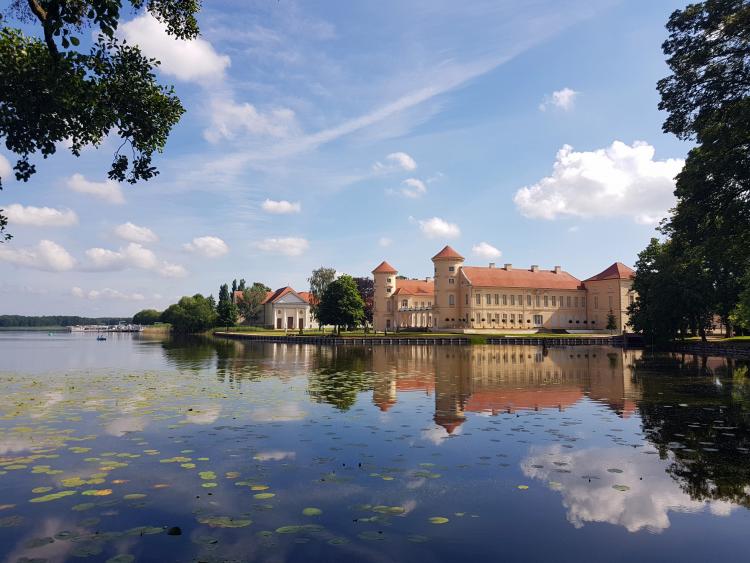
{"x":261,"y":496}
{"x":224,"y":521}
{"x":97,"y":492}
{"x":622,"y":488}
{"x":439,"y":520}
{"x":39,"y":490}
{"x":310,"y":511}
{"x":523,"y":487}
{"x":207,"y":475}
{"x":134,"y":496}
{"x":53,"y":496}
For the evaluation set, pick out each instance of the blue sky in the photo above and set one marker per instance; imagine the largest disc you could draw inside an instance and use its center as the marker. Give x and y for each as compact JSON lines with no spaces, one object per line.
{"x":342,"y":134}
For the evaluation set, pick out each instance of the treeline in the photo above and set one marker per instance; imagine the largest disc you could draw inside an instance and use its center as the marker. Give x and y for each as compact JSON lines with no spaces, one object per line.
{"x":7,"y":321}
{"x":700,"y":270}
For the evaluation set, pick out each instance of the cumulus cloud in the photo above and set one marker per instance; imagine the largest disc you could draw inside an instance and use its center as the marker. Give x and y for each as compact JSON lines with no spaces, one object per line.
{"x":210,"y":247}
{"x":109,"y":190}
{"x":46,"y":255}
{"x":413,"y":188}
{"x":5,"y":168}
{"x":106,"y":293}
{"x":40,"y":216}
{"x":133,"y":233}
{"x":281,"y":207}
{"x":275,"y":455}
{"x":133,"y":255}
{"x":486,"y":250}
{"x":288,"y":246}
{"x":563,"y":99}
{"x":230,"y":119}
{"x":191,"y":61}
{"x":396,"y":161}
{"x":439,"y":228}
{"x":618,"y":180}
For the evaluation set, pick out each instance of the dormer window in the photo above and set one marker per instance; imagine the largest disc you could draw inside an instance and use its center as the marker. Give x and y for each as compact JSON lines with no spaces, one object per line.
{"x":451,"y":268}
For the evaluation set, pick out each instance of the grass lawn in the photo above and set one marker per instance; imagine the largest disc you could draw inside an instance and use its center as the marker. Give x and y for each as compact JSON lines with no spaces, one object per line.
{"x":733,"y":342}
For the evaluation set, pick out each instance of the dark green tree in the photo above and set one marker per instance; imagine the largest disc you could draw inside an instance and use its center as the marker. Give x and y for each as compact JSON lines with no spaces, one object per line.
{"x":319,"y":281}
{"x":226,"y":310}
{"x":53,"y":89}
{"x":191,"y":314}
{"x":741,"y":313}
{"x":234,"y":287}
{"x":250,"y":306}
{"x":341,"y":304}
{"x":707,"y":98}
{"x":242,"y":285}
{"x":147,"y":317}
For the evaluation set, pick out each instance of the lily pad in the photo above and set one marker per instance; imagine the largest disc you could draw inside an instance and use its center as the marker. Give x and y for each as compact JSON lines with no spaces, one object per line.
{"x":439,"y":520}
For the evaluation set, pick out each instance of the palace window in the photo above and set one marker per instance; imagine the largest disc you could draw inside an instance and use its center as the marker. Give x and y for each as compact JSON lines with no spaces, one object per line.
{"x":478,"y":299}
{"x":554,"y":301}
{"x":497,"y":299}
{"x":513,"y":317}
{"x":520,"y":300}
{"x":429,"y":303}
{"x":528,"y":300}
{"x":576,"y":301}
{"x":546,"y":301}
{"x":467,"y":298}
{"x":451,"y":300}
{"x":538,"y":301}
{"x":512,"y":300}
{"x":583,"y":302}
{"x":570,"y":302}
{"x":561,"y":301}
{"x":451,"y":281}
{"x":451,"y":268}
{"x":631,"y":299}
{"x":404,"y":303}
{"x":610,"y":301}
{"x":505,"y":317}
{"x":505,"y":299}
{"x":596,"y":301}
{"x":389,"y":280}
{"x":488,"y":299}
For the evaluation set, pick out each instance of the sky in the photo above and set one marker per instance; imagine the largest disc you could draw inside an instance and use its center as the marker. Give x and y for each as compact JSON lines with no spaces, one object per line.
{"x":344,"y":133}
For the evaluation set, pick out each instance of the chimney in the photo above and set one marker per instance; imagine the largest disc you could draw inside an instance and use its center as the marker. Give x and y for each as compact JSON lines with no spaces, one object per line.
{"x":535,"y":268}
{"x":509,"y":267}
{"x":492,"y":264}
{"x":558,"y":269}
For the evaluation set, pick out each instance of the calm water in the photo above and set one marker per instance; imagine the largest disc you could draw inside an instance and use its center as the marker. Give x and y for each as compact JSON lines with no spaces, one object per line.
{"x":268,"y":452}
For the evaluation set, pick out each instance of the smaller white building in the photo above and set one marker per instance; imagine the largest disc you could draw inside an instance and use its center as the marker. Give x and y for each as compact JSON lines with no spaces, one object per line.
{"x":288,"y":309}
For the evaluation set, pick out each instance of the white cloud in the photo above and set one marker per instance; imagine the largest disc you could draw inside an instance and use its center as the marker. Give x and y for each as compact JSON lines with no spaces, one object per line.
{"x":275,"y":455}
{"x":210,"y":247}
{"x":106,"y":293}
{"x":385,"y":241}
{"x":229,"y":119}
{"x":563,"y":99}
{"x":618,"y":180}
{"x":397,"y":160}
{"x":109,"y":190}
{"x":486,"y":250}
{"x":439,"y":228}
{"x":206,"y":415}
{"x":133,"y":233}
{"x":40,"y":216}
{"x":281,"y":207}
{"x":190,"y":61}
{"x":133,"y":255}
{"x":413,"y":188}
{"x":288,"y":246}
{"x":46,"y":255}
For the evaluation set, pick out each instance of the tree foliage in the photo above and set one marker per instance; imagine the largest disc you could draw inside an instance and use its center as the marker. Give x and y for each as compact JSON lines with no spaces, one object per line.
{"x":226,"y":310}
{"x":707,"y":99}
{"x":191,"y":314}
{"x":147,"y":317}
{"x":250,"y":306}
{"x":366,"y":289}
{"x":56,"y":320}
{"x":54,"y":91}
{"x":341,"y":304}
{"x":319,"y":281}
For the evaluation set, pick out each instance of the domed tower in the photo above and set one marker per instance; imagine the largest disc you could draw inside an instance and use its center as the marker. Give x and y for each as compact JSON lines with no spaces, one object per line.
{"x":383,"y":310}
{"x":447,"y":310}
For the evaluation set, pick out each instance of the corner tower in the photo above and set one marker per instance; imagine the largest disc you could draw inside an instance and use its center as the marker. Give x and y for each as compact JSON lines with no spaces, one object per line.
{"x":447,"y":308}
{"x":384,"y":277}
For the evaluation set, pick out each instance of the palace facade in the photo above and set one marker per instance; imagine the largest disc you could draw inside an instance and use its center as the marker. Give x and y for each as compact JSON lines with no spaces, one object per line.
{"x":474,"y":298}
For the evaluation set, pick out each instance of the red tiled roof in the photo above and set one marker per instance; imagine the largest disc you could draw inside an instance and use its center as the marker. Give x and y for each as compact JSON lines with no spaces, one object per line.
{"x":447,"y":254}
{"x":307,"y":296}
{"x":385,"y":268}
{"x":617,"y":271}
{"x":500,"y":277}
{"x":273,"y":296}
{"x":414,"y":287}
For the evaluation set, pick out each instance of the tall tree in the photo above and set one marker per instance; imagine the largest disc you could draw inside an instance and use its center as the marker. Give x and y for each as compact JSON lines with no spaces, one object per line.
{"x":319,"y":280}
{"x":53,"y":90}
{"x":707,"y":98}
{"x":226,"y":310}
{"x":146,"y":317}
{"x":366,"y":289}
{"x":341,"y":304}
{"x":242,"y":285}
{"x":250,"y":306}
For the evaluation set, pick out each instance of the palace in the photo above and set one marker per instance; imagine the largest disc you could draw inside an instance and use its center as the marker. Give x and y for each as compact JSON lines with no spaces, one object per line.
{"x":476,"y":299}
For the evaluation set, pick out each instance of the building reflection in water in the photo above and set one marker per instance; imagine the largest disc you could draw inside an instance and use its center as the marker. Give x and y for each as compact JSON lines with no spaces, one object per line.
{"x":495,"y":379}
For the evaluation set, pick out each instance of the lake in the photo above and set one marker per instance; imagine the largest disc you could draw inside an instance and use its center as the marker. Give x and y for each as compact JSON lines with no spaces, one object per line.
{"x":151,"y":449}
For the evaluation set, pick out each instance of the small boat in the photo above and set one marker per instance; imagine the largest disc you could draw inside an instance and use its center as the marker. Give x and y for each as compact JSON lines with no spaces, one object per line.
{"x":100,"y":337}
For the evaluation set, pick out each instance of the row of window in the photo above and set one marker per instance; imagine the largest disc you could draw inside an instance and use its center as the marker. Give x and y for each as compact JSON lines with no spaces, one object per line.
{"x":539,"y":300}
